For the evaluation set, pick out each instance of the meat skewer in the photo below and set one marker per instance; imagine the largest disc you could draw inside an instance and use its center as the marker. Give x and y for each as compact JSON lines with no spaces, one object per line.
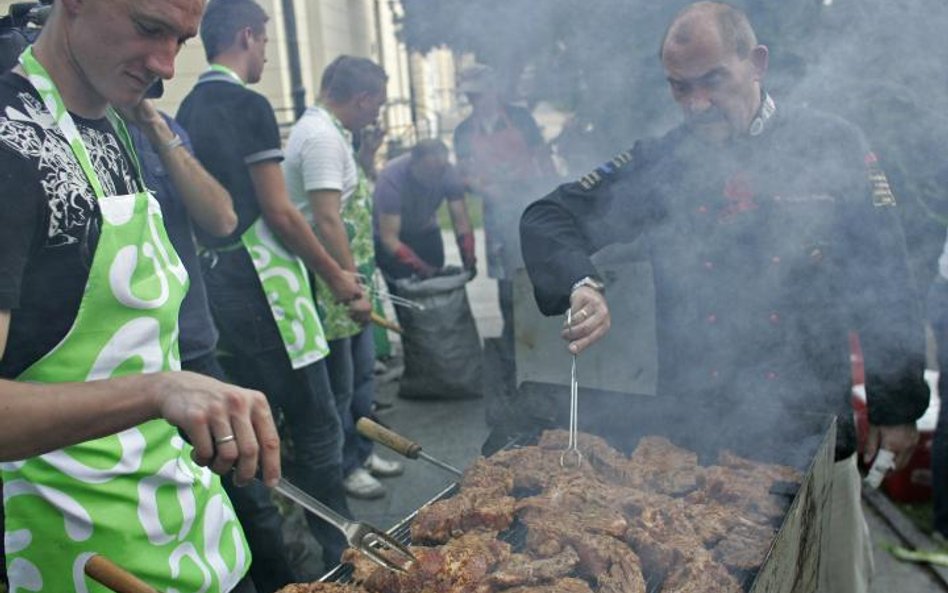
{"x":384,"y":436}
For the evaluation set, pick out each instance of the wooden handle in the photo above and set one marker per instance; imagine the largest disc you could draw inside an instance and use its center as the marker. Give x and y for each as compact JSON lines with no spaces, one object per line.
{"x":116,"y":578}
{"x":394,"y":441}
{"x":382,"y":322}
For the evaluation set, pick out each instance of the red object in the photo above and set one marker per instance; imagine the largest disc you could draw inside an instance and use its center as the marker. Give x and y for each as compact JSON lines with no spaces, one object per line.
{"x":466,"y":246}
{"x":913,"y":483}
{"x":405,"y":255}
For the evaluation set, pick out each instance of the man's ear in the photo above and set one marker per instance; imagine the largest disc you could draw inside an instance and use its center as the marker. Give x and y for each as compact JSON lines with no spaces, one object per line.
{"x":760,"y":58}
{"x":244,"y":37}
{"x":72,"y":6}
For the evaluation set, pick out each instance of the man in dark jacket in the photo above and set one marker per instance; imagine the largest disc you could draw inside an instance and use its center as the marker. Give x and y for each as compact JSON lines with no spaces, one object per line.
{"x":772,"y":234}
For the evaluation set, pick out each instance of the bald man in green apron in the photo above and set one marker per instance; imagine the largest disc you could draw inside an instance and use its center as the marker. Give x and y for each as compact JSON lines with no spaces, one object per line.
{"x":89,"y":293}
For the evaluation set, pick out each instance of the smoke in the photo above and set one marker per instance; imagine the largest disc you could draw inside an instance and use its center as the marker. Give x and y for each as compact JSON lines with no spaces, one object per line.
{"x":876,"y":63}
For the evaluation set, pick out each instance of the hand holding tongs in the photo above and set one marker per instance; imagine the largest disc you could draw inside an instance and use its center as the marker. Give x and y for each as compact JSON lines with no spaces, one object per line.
{"x":396,"y":300}
{"x":572,"y":455}
{"x":364,"y":537}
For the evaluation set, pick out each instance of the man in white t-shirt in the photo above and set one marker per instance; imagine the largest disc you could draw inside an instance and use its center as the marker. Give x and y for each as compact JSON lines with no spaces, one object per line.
{"x":331,"y":189}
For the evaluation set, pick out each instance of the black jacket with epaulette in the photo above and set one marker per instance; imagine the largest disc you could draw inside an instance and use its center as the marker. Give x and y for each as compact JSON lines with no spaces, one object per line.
{"x":766,"y":254}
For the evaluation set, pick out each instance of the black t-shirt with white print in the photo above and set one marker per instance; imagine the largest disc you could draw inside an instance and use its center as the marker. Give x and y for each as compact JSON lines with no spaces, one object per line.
{"x":49,"y":219}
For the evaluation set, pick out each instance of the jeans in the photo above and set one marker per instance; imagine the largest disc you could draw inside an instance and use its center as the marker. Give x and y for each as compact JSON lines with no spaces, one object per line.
{"x":259,"y":517}
{"x":351,"y":365}
{"x":257,"y":360}
{"x":938,"y":316}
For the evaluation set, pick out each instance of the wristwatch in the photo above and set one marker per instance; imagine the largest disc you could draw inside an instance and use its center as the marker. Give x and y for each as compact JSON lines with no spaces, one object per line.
{"x":591,"y":282}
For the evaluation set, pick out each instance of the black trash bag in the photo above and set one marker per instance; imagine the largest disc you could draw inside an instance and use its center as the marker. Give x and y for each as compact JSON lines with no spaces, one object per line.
{"x":443,"y":358}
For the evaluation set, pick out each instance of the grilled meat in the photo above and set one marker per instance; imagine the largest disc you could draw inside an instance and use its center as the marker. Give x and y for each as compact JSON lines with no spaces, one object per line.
{"x":475,"y":509}
{"x":522,"y":569}
{"x":461,"y":566}
{"x":612,"y":520}
{"x":567,"y":585}
{"x":319,"y":587}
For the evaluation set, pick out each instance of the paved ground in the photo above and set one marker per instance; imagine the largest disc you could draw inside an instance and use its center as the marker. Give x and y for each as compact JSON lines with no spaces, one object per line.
{"x":455,"y":430}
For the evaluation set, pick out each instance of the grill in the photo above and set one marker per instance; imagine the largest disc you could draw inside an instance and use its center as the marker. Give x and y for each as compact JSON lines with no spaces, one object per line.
{"x":805,"y":441}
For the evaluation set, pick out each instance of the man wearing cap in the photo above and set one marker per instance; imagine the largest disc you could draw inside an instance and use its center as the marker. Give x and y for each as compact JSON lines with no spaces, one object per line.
{"x":502,"y":158}
{"x":772,"y":233}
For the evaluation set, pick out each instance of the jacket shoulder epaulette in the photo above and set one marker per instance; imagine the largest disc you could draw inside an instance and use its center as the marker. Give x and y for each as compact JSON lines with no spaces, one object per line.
{"x":605,"y":171}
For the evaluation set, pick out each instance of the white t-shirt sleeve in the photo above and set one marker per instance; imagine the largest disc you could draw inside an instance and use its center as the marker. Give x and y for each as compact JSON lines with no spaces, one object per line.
{"x":323,"y":158}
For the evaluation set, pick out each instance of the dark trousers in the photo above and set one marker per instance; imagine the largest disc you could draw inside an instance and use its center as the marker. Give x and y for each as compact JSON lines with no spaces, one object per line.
{"x":428,"y":245}
{"x":938,"y":316}
{"x":351,"y":365}
{"x":257,"y":359}
{"x":260,"y":518}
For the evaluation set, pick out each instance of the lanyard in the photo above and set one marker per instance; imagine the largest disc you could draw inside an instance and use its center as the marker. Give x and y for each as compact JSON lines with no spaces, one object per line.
{"x":44,"y":85}
{"x":225,"y":70}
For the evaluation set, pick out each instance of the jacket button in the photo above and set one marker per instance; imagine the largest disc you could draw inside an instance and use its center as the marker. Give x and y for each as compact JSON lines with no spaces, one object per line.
{"x":715,"y":373}
{"x":770,"y":375}
{"x":708,"y":265}
{"x":775,"y":260}
{"x":712,"y":318}
{"x":774,"y":318}
{"x":702,"y":209}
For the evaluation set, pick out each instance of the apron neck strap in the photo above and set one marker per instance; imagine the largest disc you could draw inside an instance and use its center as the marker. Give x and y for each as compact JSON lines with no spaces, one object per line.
{"x":49,"y":93}
{"x":362,"y":179}
{"x":229,"y":72}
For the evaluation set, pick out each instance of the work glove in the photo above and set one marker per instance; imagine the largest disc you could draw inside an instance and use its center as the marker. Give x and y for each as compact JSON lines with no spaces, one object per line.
{"x":420,"y":267}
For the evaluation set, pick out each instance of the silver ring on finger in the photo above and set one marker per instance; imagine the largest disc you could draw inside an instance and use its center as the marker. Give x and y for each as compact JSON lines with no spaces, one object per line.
{"x":226,"y":439}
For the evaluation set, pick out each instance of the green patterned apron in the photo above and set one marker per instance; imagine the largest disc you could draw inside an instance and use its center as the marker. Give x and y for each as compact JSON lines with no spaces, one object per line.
{"x":285,"y":283}
{"x":356,"y":215}
{"x":135,"y":497}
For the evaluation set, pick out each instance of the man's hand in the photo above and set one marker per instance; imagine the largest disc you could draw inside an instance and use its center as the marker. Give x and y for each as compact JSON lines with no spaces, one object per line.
{"x":405,"y":255}
{"x":229,"y":426}
{"x":466,"y":247}
{"x":372,"y":137}
{"x":145,"y":115}
{"x":591,"y":319}
{"x":900,"y":439}
{"x":345,"y":287}
{"x":360,"y":310}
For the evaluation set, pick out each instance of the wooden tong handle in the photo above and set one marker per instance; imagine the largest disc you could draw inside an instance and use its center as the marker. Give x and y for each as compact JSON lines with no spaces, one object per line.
{"x":394,"y":441}
{"x":116,"y":578}
{"x":383,"y":322}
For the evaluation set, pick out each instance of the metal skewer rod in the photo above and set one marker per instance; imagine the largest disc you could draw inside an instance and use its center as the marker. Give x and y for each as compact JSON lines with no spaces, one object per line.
{"x":384,"y":436}
{"x":396,"y":300}
{"x":572,"y":448}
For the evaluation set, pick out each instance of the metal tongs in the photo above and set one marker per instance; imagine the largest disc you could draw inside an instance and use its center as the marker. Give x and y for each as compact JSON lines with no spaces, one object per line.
{"x":571,"y":456}
{"x":369,"y":540}
{"x":396,"y":300}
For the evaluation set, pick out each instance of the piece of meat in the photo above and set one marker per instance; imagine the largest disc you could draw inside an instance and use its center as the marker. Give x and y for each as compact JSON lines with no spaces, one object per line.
{"x":460,"y":566}
{"x":745,"y":546}
{"x":521,"y":569}
{"x":742,"y":490}
{"x":533,"y":467}
{"x":663,"y":537}
{"x":662,"y":467}
{"x":566,"y":585}
{"x":474,"y":509}
{"x":576,"y":499}
{"x":595,"y":450}
{"x":700,"y":574}
{"x":320,"y":587}
{"x":607,"y":559}
{"x":783,"y":473}
{"x":487,"y":475}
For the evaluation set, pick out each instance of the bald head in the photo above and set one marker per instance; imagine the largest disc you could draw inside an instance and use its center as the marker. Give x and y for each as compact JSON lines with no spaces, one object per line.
{"x":700,"y":22}
{"x":714,"y":67}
